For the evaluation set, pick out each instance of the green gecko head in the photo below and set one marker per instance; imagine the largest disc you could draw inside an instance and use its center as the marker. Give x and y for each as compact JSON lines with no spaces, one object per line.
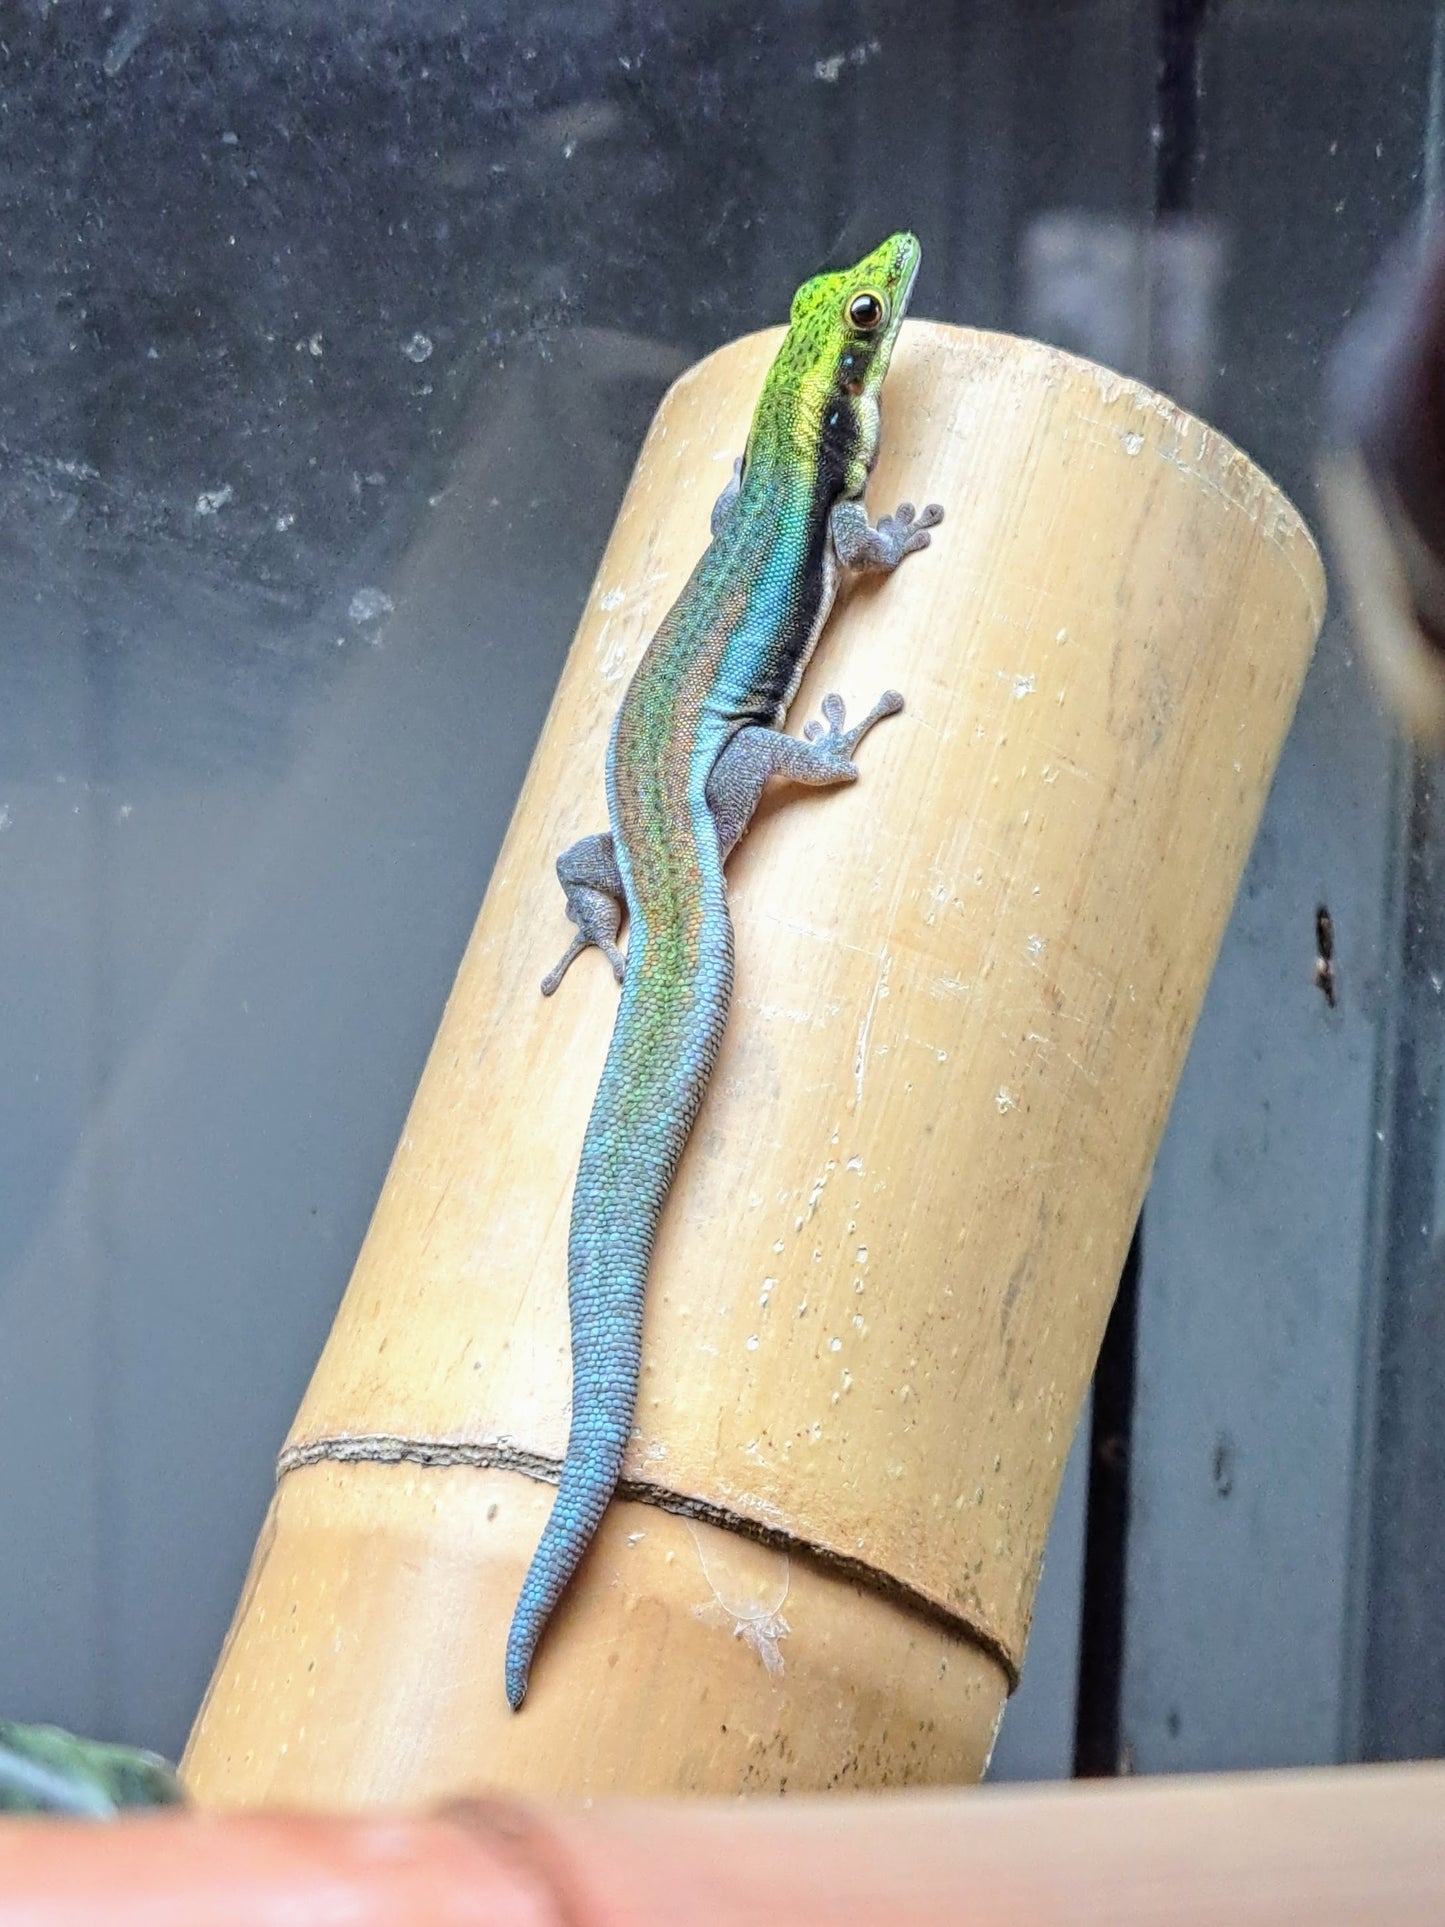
{"x":820,"y":400}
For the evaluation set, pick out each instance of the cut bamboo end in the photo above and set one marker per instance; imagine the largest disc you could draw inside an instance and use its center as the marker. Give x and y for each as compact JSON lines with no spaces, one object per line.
{"x":964,"y":991}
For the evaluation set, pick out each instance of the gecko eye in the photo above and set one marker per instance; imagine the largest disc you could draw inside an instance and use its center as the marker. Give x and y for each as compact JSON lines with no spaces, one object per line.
{"x":866,"y":312}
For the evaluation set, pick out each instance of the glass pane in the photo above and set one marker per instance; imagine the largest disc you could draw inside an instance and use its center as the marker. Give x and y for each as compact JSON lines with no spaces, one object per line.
{"x":332,"y":335}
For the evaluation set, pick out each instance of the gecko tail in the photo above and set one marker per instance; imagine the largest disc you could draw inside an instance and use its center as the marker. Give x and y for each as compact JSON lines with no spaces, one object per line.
{"x":663,"y":1046}
{"x":589,"y":1479}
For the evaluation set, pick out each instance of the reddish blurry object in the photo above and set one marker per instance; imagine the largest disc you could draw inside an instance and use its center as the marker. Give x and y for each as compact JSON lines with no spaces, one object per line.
{"x":1338,"y":1849}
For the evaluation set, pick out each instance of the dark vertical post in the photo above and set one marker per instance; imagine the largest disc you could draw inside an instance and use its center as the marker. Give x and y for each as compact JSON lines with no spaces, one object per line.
{"x":1098,"y":1737}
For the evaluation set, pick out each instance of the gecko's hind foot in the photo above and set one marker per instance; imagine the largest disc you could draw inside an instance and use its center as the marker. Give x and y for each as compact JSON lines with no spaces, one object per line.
{"x":594,"y":929}
{"x":592,"y":883}
{"x":837,"y":743}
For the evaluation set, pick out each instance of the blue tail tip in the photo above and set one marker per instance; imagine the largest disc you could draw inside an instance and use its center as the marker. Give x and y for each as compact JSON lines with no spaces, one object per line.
{"x":517,"y":1669}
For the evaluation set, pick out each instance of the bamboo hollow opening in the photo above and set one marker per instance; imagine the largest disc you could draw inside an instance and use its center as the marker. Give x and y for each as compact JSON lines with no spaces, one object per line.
{"x":965,"y":987}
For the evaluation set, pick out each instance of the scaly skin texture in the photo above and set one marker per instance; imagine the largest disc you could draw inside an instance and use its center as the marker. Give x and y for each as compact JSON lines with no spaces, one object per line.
{"x":695,"y":740}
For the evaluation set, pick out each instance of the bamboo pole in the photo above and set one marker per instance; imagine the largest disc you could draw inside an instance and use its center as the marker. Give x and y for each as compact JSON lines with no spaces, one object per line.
{"x":1336,"y":1849}
{"x":964,"y":991}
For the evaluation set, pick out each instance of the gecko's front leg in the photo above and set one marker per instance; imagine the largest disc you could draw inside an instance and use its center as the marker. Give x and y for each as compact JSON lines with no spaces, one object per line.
{"x":859,"y":545}
{"x":723,"y":506}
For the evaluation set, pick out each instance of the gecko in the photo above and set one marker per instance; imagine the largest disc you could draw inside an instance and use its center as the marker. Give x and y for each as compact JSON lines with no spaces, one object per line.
{"x":697,"y":736}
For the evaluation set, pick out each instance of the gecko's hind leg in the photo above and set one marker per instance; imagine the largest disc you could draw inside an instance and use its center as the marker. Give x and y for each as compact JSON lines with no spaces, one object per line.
{"x":820,"y":756}
{"x":587,"y":871}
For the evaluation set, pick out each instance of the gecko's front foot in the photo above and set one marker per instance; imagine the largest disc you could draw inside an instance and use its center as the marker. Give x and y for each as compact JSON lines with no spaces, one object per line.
{"x":906,"y":531}
{"x":858,"y":545}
